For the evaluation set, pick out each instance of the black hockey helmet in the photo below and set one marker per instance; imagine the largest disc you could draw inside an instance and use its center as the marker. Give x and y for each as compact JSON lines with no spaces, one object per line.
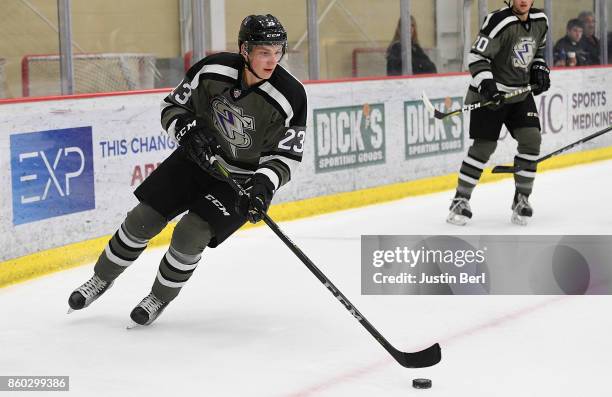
{"x":261,"y":30}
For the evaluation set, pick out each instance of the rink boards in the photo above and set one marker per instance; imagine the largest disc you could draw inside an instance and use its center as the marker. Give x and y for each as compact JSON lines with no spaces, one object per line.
{"x":69,"y":165}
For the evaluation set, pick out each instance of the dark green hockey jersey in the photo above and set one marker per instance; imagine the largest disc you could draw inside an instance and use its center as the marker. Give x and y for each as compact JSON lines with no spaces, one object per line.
{"x":506,"y":48}
{"x":260,"y":128}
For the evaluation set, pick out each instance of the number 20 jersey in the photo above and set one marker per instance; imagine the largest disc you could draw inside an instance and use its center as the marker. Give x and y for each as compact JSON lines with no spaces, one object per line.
{"x":259,"y":128}
{"x":506,"y":47}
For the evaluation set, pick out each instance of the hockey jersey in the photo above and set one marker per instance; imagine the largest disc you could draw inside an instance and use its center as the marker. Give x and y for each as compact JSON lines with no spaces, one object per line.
{"x":260,"y":128}
{"x":506,"y":47}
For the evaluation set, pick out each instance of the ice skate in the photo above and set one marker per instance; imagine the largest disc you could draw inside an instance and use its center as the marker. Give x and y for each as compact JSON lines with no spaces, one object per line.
{"x":460,"y":211}
{"x":83,"y":296}
{"x":147,"y":311}
{"x":521,"y":209}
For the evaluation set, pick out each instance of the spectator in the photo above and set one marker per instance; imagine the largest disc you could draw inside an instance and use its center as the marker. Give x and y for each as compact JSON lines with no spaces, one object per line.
{"x":568,"y":51}
{"x":420,"y":61}
{"x":589,"y":42}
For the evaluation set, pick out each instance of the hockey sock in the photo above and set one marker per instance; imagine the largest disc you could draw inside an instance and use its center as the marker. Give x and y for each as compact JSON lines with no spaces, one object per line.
{"x":128,"y":242}
{"x":524,"y":178}
{"x":175,"y":269}
{"x":529,"y":141}
{"x":473,"y":165}
{"x":191,"y":235}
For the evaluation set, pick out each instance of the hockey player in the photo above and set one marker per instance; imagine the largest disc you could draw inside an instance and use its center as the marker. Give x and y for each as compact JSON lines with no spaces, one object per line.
{"x":508,"y":54}
{"x":251,"y":113}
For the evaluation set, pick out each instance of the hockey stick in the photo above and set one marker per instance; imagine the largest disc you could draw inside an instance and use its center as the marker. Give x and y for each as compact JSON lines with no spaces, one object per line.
{"x":420,"y":359}
{"x":468,"y":108}
{"x":510,"y":169}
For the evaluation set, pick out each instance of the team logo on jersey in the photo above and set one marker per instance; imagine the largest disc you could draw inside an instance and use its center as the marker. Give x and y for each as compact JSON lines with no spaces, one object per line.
{"x":232,"y":123}
{"x":523,"y":53}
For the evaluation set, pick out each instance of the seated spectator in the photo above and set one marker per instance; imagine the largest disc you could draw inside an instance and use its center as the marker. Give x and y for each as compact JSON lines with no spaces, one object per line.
{"x":420,"y":61}
{"x":568,"y":51}
{"x":589,"y":42}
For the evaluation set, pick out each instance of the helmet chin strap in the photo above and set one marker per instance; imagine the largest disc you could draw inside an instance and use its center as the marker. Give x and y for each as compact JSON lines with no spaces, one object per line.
{"x":245,"y":53}
{"x":248,"y":65}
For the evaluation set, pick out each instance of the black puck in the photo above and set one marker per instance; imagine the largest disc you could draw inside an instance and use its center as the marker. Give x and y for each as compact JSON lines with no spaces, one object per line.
{"x":421,"y":383}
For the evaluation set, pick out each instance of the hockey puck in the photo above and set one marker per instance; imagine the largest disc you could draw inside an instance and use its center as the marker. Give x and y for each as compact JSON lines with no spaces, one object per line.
{"x":421,"y":383}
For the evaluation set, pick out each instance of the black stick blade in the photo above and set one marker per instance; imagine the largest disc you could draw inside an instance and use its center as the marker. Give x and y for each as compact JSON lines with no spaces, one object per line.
{"x":424,"y":358}
{"x":504,"y":169}
{"x":439,"y":115}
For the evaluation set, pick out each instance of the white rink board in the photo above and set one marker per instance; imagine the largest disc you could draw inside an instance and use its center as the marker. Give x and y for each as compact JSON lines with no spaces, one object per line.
{"x":336,"y":126}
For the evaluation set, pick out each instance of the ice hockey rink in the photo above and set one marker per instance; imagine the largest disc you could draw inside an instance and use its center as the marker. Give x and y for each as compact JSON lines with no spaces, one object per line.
{"x":253,"y":321}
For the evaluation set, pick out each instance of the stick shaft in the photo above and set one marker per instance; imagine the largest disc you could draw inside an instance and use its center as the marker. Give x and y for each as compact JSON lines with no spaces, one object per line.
{"x":424,"y":358}
{"x":508,"y":169}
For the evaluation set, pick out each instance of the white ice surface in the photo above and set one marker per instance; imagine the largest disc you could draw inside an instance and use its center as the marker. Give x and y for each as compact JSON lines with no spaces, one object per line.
{"x":253,"y":321}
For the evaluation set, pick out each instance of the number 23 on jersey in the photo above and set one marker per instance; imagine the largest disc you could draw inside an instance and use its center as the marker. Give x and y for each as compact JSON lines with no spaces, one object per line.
{"x":293,"y":141}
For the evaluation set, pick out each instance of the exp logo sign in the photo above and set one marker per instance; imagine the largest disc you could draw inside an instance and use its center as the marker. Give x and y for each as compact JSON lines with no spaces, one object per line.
{"x":52,"y":173}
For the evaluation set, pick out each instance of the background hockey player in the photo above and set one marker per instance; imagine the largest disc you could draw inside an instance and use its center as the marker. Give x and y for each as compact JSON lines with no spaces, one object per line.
{"x":508,"y":54}
{"x":251,"y":113}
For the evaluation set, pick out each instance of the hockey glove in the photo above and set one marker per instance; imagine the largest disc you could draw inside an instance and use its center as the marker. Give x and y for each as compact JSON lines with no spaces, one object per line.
{"x":186,"y":126}
{"x":197,"y":143}
{"x":489,"y":92}
{"x":255,"y":203}
{"x":540,"y":77}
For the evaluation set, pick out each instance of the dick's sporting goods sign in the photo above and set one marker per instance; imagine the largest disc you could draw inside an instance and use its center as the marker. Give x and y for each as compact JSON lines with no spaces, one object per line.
{"x":348,"y":137}
{"x":425,"y":135}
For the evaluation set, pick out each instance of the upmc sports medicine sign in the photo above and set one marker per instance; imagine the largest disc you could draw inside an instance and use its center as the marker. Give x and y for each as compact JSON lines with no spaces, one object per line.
{"x":52,"y":173}
{"x":348,"y":137}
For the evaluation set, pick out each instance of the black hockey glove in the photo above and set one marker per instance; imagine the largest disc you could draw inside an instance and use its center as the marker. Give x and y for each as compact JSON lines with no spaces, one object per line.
{"x":255,"y":203}
{"x":540,"y":77}
{"x":197,"y":143}
{"x":200,"y":148}
{"x":186,"y":126}
{"x":489,"y":92}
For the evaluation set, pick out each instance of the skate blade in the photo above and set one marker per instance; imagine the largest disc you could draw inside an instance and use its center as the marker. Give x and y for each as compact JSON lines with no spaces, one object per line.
{"x":70,"y":310}
{"x":519,"y":220}
{"x":457,"y":219}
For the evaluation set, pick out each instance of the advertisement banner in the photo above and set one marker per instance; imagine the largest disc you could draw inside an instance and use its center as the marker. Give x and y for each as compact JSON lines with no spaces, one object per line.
{"x":69,"y":166}
{"x":52,"y":173}
{"x":349,"y":137}
{"x":427,"y":136}
{"x":130,"y":148}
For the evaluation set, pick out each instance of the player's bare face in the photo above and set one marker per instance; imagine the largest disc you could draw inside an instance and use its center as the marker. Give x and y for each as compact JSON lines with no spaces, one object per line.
{"x":521,"y":7}
{"x":264,"y":59}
